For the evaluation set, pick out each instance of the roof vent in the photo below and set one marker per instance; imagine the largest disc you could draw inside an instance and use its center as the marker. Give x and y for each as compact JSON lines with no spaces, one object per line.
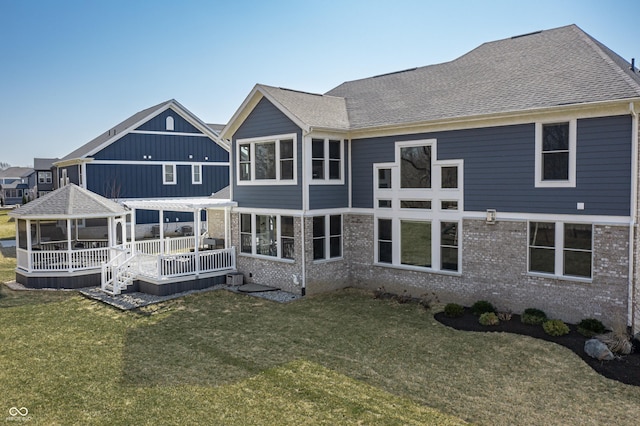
{"x":527,"y":34}
{"x":633,"y":65}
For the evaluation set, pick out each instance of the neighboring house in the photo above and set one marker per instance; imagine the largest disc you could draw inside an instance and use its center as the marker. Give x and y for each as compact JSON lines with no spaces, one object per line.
{"x":161,"y":152}
{"x":44,"y":175}
{"x":15,"y":183}
{"x":509,"y":174}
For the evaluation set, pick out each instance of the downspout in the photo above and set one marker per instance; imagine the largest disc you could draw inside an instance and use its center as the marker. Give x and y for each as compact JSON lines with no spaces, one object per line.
{"x":634,"y":211}
{"x":305,"y":206}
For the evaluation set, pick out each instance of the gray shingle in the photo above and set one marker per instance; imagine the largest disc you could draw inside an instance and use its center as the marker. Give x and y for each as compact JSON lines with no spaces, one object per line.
{"x":69,"y":201}
{"x":561,"y":66}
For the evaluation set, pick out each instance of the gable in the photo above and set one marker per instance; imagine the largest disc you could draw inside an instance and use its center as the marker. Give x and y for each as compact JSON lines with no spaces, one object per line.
{"x":264,"y":120}
{"x":159,"y":123}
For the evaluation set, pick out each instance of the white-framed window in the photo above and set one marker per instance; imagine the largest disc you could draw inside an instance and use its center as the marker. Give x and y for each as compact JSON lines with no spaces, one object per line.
{"x":169,"y":174}
{"x":327,"y":160}
{"x":327,"y":237}
{"x":196,"y":174}
{"x":418,"y":206}
{"x":561,"y":249}
{"x":417,"y":243}
{"x":555,"y":162}
{"x":267,"y":161}
{"x":267,"y":235}
{"x":44,"y":177}
{"x":169,"y":123}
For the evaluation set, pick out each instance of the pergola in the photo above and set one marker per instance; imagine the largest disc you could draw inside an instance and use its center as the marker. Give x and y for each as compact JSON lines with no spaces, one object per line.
{"x":193,"y":205}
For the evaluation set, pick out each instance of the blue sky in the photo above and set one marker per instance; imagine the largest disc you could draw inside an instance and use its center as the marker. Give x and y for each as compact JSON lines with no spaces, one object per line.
{"x":70,"y":70}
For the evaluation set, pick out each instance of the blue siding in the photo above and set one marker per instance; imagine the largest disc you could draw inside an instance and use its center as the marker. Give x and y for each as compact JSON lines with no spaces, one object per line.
{"x":135,"y":146}
{"x":266,"y":120}
{"x":158,"y":123}
{"x":499,"y":168}
{"x":331,"y":196}
{"x":145,"y":181}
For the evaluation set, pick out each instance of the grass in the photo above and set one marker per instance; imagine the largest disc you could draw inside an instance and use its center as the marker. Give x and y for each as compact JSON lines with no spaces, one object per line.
{"x":340,"y":358}
{"x":7,"y":229}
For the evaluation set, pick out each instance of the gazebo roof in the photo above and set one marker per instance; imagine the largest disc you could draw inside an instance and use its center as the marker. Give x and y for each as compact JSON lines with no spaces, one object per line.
{"x":69,"y":202}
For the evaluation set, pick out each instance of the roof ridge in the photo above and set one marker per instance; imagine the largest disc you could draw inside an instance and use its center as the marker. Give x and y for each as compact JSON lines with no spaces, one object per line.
{"x":604,"y":54}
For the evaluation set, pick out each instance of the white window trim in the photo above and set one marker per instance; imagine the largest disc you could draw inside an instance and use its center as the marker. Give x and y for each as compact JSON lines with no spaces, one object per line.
{"x":278,"y":257}
{"x":277,"y":181}
{"x":327,"y":238}
{"x":309,"y":161}
{"x":571,"y":181}
{"x":169,"y":123}
{"x":195,"y":167}
{"x":559,"y":253}
{"x":436,"y":215}
{"x":164,"y":175}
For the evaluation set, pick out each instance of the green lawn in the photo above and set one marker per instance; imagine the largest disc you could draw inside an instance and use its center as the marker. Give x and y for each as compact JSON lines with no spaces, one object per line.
{"x":7,"y":229}
{"x":340,"y":358}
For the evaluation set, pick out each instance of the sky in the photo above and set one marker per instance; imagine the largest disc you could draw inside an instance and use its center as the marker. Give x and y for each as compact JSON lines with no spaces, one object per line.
{"x":71,"y":70}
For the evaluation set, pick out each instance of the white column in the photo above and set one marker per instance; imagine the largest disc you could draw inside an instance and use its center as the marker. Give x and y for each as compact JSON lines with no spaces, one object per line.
{"x":69,"y":248}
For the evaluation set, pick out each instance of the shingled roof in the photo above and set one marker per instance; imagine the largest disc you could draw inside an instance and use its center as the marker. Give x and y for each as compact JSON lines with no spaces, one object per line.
{"x":562,"y":66}
{"x":70,"y":201}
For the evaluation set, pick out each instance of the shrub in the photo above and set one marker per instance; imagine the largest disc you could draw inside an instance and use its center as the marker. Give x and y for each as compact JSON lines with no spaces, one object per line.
{"x":533,"y":316}
{"x":403,"y":298}
{"x":555,"y":327}
{"x":618,"y":340}
{"x":590,"y":327}
{"x":482,"y":306}
{"x":489,"y":318}
{"x":505,"y":315}
{"x":427,"y":300}
{"x":453,"y":310}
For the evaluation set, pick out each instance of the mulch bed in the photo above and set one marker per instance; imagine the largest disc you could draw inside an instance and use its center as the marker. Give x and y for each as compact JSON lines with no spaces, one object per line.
{"x":625,"y":369}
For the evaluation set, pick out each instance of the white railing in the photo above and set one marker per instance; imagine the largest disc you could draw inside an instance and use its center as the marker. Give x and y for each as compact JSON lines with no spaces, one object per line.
{"x":77,"y":244}
{"x":118,"y":273}
{"x":171,"y":245}
{"x":62,"y":260}
{"x":177,"y":265}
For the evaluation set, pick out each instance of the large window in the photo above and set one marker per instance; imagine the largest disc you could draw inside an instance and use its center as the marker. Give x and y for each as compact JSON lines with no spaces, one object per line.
{"x":270,"y":161}
{"x":327,"y":237}
{"x":326,"y":159}
{"x":415,"y":239}
{"x":561,"y":248}
{"x":556,"y":154}
{"x":267,"y":235}
{"x":415,"y":166}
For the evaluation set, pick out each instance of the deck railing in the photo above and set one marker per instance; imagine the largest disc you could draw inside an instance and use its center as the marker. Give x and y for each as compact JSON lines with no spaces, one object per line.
{"x":62,"y":260}
{"x":171,"y":245}
{"x":177,"y":265}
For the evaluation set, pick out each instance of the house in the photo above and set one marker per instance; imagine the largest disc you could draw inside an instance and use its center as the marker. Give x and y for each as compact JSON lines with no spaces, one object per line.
{"x":44,"y":175}
{"x":508,"y":174}
{"x":164,"y":151}
{"x":16,"y":183}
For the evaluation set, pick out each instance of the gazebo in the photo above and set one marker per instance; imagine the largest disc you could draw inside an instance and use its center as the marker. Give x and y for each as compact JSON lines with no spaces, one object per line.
{"x":65,"y":237}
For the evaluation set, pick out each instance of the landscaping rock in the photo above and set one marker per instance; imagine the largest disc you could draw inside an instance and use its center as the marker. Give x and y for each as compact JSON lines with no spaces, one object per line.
{"x":598,"y":350}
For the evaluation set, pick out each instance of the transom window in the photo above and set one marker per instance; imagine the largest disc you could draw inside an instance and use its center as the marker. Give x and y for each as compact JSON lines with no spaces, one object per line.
{"x":271,"y":161}
{"x":327,"y":237}
{"x":561,"y":248}
{"x":556,"y":154}
{"x":267,"y":235}
{"x":326,"y":159}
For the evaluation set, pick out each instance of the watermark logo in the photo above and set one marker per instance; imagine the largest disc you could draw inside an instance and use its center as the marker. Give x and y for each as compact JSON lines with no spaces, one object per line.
{"x":18,"y":414}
